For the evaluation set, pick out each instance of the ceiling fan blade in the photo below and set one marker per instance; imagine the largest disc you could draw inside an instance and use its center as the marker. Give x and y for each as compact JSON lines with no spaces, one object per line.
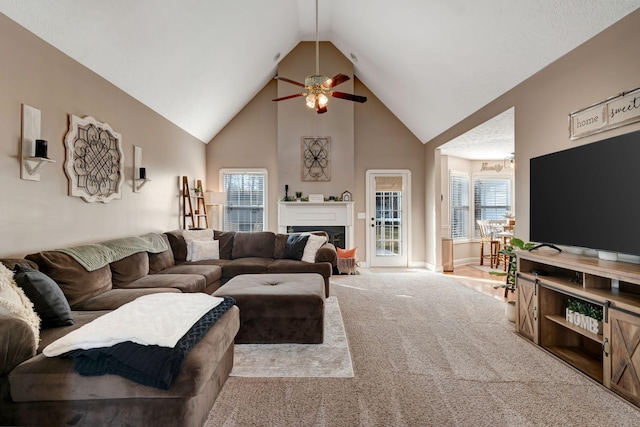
{"x":293,"y":82}
{"x":335,"y":81}
{"x":321,"y":110}
{"x":350,"y":97}
{"x":290,"y":96}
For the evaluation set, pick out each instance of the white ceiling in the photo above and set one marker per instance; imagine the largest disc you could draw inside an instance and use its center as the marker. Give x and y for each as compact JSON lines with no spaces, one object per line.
{"x":432,"y":62}
{"x":492,"y":140}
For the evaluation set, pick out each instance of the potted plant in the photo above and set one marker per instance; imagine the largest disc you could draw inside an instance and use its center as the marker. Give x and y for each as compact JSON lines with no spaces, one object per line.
{"x":509,"y":252}
{"x":584,"y":315}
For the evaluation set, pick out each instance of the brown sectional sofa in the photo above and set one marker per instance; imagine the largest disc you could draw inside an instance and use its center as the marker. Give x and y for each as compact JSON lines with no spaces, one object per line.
{"x":256,"y":253}
{"x":36,"y":390}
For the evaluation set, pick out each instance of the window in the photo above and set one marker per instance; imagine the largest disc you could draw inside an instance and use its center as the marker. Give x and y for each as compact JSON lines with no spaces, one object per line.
{"x":459,"y":206}
{"x":245,"y":209}
{"x":491,"y":198}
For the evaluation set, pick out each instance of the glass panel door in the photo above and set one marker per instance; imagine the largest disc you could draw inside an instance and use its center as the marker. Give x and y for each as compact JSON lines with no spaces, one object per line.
{"x":388,"y":209}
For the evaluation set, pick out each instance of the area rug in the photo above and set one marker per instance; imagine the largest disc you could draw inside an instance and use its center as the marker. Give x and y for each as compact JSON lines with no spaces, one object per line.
{"x":329,"y":359}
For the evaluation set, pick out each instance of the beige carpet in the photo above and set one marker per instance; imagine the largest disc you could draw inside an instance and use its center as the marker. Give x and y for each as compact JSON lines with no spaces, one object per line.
{"x":329,"y":359}
{"x":426,"y":351}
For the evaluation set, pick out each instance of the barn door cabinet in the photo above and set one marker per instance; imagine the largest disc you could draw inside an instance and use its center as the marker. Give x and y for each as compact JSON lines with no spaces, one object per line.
{"x":548,"y":279}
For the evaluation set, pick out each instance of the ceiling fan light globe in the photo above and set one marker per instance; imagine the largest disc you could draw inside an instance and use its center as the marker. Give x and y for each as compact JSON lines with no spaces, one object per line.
{"x":311,"y":100}
{"x":322,"y":100}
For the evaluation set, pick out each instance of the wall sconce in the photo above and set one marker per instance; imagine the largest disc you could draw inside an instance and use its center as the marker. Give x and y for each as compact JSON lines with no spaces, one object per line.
{"x":139,"y":173}
{"x":510,"y":161}
{"x":33,"y":149}
{"x":215,"y":199}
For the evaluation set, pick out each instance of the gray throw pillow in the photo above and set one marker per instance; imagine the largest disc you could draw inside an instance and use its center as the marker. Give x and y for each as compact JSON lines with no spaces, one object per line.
{"x":46,"y":296}
{"x":294,"y":249}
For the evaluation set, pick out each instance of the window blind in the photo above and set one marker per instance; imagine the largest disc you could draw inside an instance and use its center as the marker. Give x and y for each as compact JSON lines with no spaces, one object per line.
{"x":459,"y":207}
{"x":491,"y":198}
{"x":245,"y":207}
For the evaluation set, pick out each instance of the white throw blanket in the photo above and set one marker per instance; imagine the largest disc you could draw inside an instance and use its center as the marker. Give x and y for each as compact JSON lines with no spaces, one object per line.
{"x":157,"y":319}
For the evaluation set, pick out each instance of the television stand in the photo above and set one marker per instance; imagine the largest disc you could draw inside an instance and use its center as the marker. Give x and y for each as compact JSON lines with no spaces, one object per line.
{"x":547,"y":280}
{"x":545,"y":245}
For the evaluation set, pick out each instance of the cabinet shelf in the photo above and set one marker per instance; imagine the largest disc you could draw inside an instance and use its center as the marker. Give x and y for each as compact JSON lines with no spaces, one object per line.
{"x":580,"y":359}
{"x":549,"y":279}
{"x":563,"y":322}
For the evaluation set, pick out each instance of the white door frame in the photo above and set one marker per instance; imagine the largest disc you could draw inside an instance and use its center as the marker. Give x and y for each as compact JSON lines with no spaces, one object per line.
{"x":406,"y":209}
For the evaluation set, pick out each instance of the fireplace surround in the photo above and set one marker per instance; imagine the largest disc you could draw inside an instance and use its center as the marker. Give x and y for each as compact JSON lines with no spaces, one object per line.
{"x":336,"y":218}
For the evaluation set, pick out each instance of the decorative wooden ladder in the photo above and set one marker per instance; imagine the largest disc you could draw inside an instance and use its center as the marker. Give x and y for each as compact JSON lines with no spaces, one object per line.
{"x":187,"y":206}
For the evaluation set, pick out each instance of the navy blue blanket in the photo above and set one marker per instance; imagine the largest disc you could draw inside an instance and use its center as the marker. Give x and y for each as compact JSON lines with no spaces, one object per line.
{"x":150,"y":365}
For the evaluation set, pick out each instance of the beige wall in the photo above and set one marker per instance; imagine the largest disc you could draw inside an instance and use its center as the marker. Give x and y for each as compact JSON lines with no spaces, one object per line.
{"x":267,"y":134}
{"x":40,"y":215}
{"x":602,"y":67}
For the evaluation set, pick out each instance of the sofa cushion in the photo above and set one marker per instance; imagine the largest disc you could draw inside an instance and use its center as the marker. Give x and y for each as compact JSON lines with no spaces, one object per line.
{"x":226,"y":239}
{"x":115,"y":297}
{"x":201,"y":251}
{"x":280,"y":245}
{"x":161,"y":260}
{"x":47,"y":297}
{"x":41,"y":378}
{"x":129,"y":269}
{"x":347,"y":253}
{"x":311,"y":248}
{"x":183,"y":282}
{"x":19,"y":324}
{"x":178,"y":245}
{"x":294,"y":249}
{"x":259,"y":244}
{"x":211,"y":273}
{"x":245,"y":266}
{"x":77,"y":284}
{"x":192,"y":236}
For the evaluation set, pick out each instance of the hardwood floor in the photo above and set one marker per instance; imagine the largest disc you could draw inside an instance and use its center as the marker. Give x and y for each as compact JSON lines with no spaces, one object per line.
{"x":481,"y":281}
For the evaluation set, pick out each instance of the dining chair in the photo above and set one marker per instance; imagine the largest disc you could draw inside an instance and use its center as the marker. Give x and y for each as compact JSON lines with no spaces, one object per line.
{"x":488,"y":237}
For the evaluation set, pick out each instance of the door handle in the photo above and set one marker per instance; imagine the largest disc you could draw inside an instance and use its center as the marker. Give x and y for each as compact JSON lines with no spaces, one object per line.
{"x":373,"y":225}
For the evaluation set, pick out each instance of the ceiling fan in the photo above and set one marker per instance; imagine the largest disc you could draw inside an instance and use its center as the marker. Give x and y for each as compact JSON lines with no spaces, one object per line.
{"x":319,"y":86}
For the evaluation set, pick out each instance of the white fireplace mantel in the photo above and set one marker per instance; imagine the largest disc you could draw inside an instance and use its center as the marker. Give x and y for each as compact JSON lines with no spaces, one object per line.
{"x":327,"y":214}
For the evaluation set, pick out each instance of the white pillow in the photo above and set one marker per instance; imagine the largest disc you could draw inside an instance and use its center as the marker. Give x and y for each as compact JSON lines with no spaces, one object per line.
{"x":196,"y":235}
{"x":205,"y":250}
{"x":313,"y":244}
{"x":14,"y":302}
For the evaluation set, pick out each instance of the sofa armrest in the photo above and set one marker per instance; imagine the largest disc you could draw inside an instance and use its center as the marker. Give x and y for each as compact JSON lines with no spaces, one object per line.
{"x":17,"y":343}
{"x":327,"y":253}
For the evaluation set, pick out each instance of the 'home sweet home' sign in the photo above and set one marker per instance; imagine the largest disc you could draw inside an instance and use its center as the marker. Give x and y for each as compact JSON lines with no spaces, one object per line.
{"x":616,"y":111}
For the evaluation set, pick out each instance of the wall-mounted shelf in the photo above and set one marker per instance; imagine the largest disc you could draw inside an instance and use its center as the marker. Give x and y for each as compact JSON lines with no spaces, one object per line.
{"x":34,"y":164}
{"x":139,"y":183}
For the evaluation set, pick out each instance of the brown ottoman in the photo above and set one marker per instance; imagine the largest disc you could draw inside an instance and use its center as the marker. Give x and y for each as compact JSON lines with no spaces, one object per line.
{"x":278,"y":308}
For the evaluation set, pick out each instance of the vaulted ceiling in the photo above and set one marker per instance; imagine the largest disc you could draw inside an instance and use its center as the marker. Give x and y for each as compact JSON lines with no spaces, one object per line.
{"x":432,"y":62}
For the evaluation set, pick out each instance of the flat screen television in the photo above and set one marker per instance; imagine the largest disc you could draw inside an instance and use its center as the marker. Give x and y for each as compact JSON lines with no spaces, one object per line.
{"x":588,"y":196}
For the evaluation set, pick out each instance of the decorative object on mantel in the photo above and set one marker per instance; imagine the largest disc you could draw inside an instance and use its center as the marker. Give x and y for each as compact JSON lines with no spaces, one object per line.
{"x":619,"y":110}
{"x":95,"y":162}
{"x":33,"y":150}
{"x":316,"y":198}
{"x":347,"y":197}
{"x":510,"y":161}
{"x":316,"y":158}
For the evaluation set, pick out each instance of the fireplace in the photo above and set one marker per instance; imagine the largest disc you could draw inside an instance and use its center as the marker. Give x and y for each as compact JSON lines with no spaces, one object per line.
{"x":336,"y":218}
{"x":336,"y":233}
